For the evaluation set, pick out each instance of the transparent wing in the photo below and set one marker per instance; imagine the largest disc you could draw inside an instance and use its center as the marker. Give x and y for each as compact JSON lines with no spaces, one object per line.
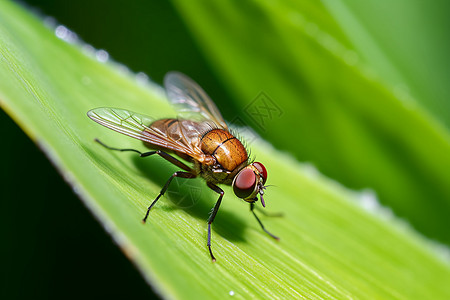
{"x":191,"y":101}
{"x":166,"y":133}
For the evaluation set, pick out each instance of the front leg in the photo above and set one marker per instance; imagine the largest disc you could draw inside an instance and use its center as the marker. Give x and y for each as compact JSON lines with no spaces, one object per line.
{"x":252,"y":206}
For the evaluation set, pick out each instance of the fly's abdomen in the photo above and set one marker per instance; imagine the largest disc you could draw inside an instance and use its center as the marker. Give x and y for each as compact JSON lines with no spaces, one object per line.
{"x":226,"y":148}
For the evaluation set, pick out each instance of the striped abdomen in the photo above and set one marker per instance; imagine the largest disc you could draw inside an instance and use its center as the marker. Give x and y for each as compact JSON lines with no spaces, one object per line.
{"x":226,"y":148}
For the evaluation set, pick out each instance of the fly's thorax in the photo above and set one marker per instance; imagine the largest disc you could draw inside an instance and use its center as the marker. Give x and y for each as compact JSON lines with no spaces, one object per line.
{"x":226,"y":148}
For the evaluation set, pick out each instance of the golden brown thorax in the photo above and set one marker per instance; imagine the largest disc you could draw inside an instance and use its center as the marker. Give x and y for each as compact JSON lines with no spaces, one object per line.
{"x":226,"y":148}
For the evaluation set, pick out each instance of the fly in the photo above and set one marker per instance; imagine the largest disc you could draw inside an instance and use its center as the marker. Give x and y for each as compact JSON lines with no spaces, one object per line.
{"x":198,"y":135}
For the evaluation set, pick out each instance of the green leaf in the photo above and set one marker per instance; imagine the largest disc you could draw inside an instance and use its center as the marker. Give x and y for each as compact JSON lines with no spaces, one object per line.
{"x":408,"y":46}
{"x":330,"y":247}
{"x":346,"y":108}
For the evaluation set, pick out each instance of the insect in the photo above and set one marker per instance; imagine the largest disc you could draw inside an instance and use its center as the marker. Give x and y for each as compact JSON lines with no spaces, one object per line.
{"x":200,"y":136}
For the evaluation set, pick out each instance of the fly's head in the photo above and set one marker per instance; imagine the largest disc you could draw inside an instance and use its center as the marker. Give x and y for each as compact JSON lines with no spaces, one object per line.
{"x":249,"y":183}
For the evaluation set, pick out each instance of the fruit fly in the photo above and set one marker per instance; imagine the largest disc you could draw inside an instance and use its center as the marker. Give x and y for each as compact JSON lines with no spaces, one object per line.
{"x":200,"y":136}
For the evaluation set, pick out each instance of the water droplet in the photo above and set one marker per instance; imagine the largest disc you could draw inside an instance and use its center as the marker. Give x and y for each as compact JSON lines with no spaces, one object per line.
{"x":142,"y":78}
{"x":101,"y":55}
{"x":63,"y":33}
{"x":368,"y":200}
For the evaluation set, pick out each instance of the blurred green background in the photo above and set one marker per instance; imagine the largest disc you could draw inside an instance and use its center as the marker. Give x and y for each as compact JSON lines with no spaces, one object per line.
{"x":151,"y":36}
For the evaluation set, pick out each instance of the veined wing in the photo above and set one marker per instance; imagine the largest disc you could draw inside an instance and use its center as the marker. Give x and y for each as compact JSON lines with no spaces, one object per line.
{"x":191,"y":101}
{"x":161,"y":133}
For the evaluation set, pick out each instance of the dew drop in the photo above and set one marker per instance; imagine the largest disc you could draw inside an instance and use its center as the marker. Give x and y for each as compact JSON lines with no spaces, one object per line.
{"x":63,"y":33}
{"x":142,"y":78}
{"x":101,"y":55}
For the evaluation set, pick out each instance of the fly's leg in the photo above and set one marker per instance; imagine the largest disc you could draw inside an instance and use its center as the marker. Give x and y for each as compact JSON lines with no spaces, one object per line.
{"x":163,"y":190}
{"x":218,"y":190}
{"x":189,"y":174}
{"x":163,"y":154}
{"x":252,"y":206}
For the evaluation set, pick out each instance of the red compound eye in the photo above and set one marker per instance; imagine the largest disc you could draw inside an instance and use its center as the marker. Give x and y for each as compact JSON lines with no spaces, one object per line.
{"x":245,"y":183}
{"x":262,"y":170}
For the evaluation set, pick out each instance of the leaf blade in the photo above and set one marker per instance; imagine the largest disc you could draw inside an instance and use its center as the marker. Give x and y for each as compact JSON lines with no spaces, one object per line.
{"x":328,"y":246}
